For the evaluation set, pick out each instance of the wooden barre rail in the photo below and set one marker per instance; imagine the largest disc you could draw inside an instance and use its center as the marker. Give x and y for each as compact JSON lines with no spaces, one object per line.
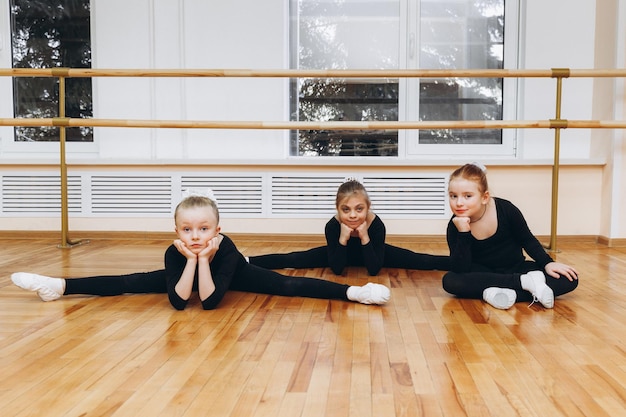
{"x":557,"y":123}
{"x":292,"y":73}
{"x":347,"y":125}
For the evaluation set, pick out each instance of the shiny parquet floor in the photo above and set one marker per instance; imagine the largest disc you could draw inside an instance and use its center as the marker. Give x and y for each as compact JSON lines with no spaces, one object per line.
{"x":423,"y":354}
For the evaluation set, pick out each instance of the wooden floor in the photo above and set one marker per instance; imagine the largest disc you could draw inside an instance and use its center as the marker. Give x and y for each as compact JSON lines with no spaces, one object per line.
{"x":423,"y":354}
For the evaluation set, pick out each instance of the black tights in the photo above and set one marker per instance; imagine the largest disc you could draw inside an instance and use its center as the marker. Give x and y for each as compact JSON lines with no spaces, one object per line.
{"x":472,"y":284}
{"x":250,"y":279}
{"x":136,"y":283}
{"x":395,"y":257}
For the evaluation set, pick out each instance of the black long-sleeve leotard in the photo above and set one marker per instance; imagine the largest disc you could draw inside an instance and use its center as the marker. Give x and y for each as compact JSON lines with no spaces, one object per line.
{"x":231,"y":271}
{"x":370,"y":255}
{"x":502,"y":251}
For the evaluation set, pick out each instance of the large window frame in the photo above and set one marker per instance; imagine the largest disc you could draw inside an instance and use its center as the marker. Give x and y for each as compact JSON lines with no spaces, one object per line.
{"x":408,"y":143}
{"x":35,"y":149}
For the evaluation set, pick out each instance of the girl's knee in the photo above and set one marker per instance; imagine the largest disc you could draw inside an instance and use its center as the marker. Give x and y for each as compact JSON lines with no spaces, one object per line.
{"x":448,"y":282}
{"x":572,"y":285}
{"x":562,"y":285}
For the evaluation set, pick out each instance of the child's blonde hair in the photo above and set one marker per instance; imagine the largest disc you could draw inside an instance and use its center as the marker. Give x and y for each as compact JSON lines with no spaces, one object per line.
{"x":473,"y":172}
{"x":349,"y":188}
{"x":194,"y":201}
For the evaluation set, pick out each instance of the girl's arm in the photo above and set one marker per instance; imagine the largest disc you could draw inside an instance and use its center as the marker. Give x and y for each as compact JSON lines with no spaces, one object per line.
{"x":206,"y":286}
{"x":535,"y":250}
{"x":374,"y":246}
{"x":521,"y":231}
{"x":337,"y":252}
{"x":184,"y":286}
{"x":224,"y":268}
{"x":460,"y":246}
{"x":176,"y":268}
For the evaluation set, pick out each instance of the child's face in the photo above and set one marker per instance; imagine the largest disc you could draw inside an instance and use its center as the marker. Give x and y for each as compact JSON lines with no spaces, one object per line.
{"x":466,"y":200}
{"x":196,"y":226}
{"x":353,"y":211}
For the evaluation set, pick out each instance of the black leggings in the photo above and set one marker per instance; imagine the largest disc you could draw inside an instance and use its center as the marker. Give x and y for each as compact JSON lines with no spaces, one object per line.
{"x":472,"y":284}
{"x":395,"y":257}
{"x":136,"y":283}
{"x":249,"y":278}
{"x":252,"y":278}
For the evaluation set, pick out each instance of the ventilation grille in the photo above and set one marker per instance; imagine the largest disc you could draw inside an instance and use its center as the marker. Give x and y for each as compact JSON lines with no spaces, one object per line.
{"x":265,"y":195}
{"x":407,"y":196}
{"x":416,"y":197}
{"x":235,"y":194}
{"x":39,"y":194}
{"x":126,"y":194}
{"x":304,"y":195}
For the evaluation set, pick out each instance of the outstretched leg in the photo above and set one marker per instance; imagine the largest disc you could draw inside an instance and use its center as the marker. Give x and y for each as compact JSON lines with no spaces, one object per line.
{"x":135,"y":283}
{"x":50,"y":288}
{"x":311,"y":258}
{"x":396,"y":257}
{"x":264,"y":281}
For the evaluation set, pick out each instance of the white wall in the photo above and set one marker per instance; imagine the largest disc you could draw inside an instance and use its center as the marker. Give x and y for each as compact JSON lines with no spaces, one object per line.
{"x":200,"y":34}
{"x":556,"y":35}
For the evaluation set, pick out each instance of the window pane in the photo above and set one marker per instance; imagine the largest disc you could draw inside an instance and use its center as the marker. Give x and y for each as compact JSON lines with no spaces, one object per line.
{"x":48,"y":34}
{"x":461,"y":34}
{"x":349,"y":34}
{"x":453,"y":34}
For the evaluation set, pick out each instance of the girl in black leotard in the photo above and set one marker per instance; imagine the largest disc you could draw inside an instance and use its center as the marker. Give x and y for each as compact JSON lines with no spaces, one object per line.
{"x":203,"y":260}
{"x":355,"y":236}
{"x":486,"y":236}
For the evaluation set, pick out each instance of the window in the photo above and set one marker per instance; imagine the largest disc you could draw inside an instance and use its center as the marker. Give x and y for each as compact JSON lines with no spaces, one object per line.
{"x":48,"y":34}
{"x":461,"y":35}
{"x":398,"y":34}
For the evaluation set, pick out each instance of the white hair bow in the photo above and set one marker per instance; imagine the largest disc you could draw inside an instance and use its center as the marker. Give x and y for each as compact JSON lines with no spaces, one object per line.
{"x":199,"y":192}
{"x":479,"y":165}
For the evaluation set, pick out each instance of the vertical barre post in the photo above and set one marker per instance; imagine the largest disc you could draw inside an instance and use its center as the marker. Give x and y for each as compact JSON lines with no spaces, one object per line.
{"x":64,"y":203}
{"x":65,"y":241}
{"x":557,"y":124}
{"x":555,"y":188}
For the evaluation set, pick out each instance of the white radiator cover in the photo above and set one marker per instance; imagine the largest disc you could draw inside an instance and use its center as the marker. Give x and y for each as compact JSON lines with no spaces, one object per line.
{"x":239,"y":195}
